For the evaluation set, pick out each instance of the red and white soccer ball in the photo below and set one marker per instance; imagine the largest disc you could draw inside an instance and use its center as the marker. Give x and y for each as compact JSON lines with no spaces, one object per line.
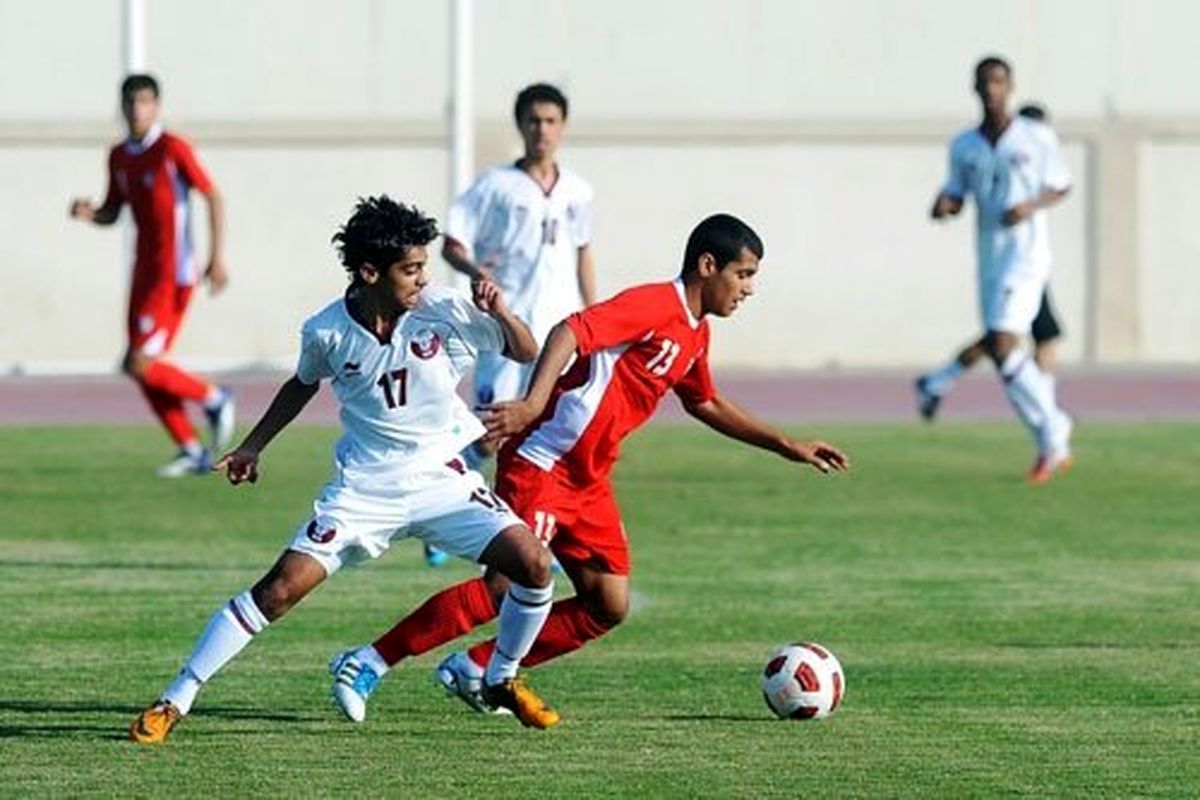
{"x":803,"y":681}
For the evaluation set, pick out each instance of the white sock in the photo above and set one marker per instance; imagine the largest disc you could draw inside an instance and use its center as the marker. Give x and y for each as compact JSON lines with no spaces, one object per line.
{"x":228,"y":631}
{"x":941,"y":380}
{"x":368,"y":655}
{"x":522,"y":615}
{"x":1031,"y":395}
{"x":193,"y":448}
{"x":214,"y":398}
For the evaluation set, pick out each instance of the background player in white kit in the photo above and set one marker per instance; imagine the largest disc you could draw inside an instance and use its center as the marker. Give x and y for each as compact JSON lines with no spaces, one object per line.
{"x":932,"y":387}
{"x":1013,"y":168}
{"x":395,"y":353}
{"x":528,"y":226}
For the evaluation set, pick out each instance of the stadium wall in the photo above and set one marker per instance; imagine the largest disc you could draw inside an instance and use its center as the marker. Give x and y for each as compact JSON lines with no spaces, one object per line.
{"x":823,"y":124}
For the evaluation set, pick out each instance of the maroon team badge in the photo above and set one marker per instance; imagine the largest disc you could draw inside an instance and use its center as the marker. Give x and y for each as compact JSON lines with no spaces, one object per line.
{"x":425,"y":344}
{"x":319,"y":536}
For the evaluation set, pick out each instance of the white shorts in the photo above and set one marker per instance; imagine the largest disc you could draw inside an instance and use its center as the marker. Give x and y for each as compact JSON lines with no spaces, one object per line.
{"x":1009,"y":303}
{"x":449,"y":507}
{"x":498,"y":378}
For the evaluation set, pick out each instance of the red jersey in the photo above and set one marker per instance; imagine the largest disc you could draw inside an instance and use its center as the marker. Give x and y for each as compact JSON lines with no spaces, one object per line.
{"x":632,"y":348}
{"x":154,"y":176}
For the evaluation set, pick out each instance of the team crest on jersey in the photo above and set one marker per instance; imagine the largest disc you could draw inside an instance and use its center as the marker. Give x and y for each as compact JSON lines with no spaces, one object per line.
{"x":319,"y":536}
{"x":425,"y":344}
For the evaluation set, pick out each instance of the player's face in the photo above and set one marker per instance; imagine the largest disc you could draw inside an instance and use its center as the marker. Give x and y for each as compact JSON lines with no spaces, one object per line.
{"x":994,"y":88}
{"x":141,"y":111}
{"x":400,"y":285}
{"x":542,"y":128}
{"x":727,"y":287}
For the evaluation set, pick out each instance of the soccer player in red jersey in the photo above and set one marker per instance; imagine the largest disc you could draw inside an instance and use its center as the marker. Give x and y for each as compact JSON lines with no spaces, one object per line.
{"x":153,"y":171}
{"x":565,"y":437}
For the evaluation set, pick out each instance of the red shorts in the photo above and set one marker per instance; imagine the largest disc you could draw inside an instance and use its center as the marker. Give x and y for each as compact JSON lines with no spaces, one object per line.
{"x":155,"y":315}
{"x":582,"y":525}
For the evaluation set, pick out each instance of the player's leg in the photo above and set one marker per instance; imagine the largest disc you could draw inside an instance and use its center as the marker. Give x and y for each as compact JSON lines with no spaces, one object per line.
{"x":227,"y":633}
{"x":933,"y":386}
{"x":1045,"y":331}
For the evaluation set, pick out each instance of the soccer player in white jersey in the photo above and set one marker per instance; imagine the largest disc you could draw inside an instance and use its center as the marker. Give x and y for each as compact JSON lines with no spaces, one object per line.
{"x":1045,"y":331}
{"x":394,"y":352}
{"x":528,"y":226}
{"x":1014,"y":170}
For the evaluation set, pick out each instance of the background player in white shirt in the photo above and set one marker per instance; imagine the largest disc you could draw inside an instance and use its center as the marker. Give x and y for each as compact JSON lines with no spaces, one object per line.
{"x":1045,"y":330}
{"x":1014,"y":170}
{"x":395,"y":353}
{"x":528,"y":226}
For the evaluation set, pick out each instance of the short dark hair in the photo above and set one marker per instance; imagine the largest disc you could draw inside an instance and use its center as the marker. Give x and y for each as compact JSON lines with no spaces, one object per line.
{"x":135,"y":83}
{"x":723,"y":236}
{"x":990,"y":62}
{"x":538,"y":93}
{"x":1034,"y":111}
{"x":380,"y":232}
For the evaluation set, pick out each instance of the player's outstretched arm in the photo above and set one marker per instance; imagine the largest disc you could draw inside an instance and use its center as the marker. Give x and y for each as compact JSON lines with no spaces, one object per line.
{"x":1023,"y":211}
{"x":726,"y":417}
{"x":586,"y":267}
{"x":458,"y":257}
{"x":241,"y":464}
{"x":519,"y":344}
{"x":506,"y":419}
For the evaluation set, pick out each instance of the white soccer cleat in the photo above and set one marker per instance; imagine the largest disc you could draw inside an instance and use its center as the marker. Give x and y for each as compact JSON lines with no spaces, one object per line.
{"x":353,"y":682}
{"x":186,"y":464}
{"x":463,"y":678}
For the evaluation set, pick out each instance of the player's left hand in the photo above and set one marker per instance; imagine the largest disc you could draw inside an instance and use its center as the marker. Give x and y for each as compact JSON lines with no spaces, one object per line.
{"x":487,"y":296}
{"x":1018,"y":213}
{"x":217,"y":276}
{"x":506,"y":419}
{"x":821,"y":455}
{"x":239,"y":466}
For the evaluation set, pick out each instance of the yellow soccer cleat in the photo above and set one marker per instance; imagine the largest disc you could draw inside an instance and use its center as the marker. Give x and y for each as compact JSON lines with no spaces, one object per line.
{"x":517,"y":697}
{"x":154,"y":724}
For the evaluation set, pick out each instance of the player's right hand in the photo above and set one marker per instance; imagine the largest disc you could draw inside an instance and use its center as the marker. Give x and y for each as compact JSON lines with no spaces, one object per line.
{"x":82,"y":208}
{"x":506,"y":419}
{"x":239,"y":466}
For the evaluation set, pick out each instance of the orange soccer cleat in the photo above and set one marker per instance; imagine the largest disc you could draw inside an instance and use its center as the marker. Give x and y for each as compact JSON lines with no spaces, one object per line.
{"x":154,"y":724}
{"x":1047,"y":465}
{"x":517,"y":697}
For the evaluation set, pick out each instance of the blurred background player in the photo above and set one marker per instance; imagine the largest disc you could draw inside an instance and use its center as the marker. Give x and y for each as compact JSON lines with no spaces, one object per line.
{"x":395,"y":353}
{"x":555,"y":471}
{"x":1045,"y":331}
{"x":1013,"y":168}
{"x":154,"y":171}
{"x":528,"y":226}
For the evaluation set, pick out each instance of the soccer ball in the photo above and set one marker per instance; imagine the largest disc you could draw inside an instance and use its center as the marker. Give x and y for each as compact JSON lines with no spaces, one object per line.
{"x":803,"y":681}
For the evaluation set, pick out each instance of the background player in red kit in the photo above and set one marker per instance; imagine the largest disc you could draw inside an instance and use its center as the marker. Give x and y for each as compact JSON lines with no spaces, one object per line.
{"x":153,"y":171}
{"x":566,"y":434}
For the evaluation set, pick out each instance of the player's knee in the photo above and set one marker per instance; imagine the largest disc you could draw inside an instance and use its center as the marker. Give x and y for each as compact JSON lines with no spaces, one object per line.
{"x":135,"y":364}
{"x":276,"y":597}
{"x":610,"y":608}
{"x":537,"y":567}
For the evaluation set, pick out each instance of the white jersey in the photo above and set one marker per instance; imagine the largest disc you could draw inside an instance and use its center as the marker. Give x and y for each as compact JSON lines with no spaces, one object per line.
{"x":400,"y":410}
{"x":529,"y":237}
{"x":1023,"y":163}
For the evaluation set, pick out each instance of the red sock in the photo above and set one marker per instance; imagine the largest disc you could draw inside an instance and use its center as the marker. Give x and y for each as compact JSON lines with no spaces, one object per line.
{"x":568,"y":628}
{"x":442,"y":618}
{"x":169,"y":378}
{"x":169,"y":410}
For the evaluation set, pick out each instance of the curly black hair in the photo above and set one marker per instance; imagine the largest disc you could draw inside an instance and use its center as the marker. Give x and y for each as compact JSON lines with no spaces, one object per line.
{"x":380,"y":231}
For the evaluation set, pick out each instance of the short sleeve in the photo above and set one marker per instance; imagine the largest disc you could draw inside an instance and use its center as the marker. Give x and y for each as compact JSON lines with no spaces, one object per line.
{"x":115,"y":196}
{"x":187,"y":163}
{"x":1055,"y":175}
{"x":956,"y":180}
{"x":627,"y":317}
{"x":696,"y":386}
{"x":313,"y":364}
{"x":579,"y":220}
{"x":465,"y":218}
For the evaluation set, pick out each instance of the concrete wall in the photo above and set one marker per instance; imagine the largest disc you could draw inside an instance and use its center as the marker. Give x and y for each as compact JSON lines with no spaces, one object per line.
{"x":824,"y":124}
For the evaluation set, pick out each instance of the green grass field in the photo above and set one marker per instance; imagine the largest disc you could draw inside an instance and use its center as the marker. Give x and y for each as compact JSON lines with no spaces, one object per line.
{"x":997,"y":639}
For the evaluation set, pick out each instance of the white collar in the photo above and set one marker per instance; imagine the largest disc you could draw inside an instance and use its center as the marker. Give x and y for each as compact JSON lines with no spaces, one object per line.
{"x":136,"y":146}
{"x":678,"y":284}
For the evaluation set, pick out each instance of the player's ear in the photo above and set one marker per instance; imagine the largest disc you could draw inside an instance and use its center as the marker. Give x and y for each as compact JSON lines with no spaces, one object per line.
{"x":706,"y":265}
{"x":368,"y":274}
